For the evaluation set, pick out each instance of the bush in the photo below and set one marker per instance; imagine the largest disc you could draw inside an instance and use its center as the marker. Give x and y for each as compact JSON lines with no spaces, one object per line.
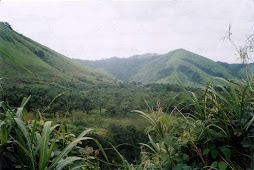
{"x":216,"y":132}
{"x":35,"y":144}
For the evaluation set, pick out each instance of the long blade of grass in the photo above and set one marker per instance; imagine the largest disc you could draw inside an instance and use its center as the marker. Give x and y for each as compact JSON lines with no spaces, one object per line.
{"x":44,"y":145}
{"x":249,"y":123}
{"x":22,"y":128}
{"x":146,"y":116}
{"x":61,"y":128}
{"x":63,"y":163}
{"x":190,"y":96}
{"x":19,"y":112}
{"x":149,"y":147}
{"x":124,"y":161}
{"x":153,"y":143}
{"x":84,"y":133}
{"x":66,"y":150}
{"x":101,"y":149}
{"x":205,"y":96}
{"x":24,"y":101}
{"x":23,"y":148}
{"x":34,"y":128}
{"x":25,"y":134}
{"x":38,"y":143}
{"x":53,"y":128}
{"x":4,"y":134}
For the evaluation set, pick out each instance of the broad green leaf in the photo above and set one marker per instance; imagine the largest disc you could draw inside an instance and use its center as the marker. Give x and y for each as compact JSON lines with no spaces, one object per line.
{"x":19,"y":112}
{"x":206,"y":151}
{"x":66,"y":150}
{"x":214,"y":153}
{"x":222,"y":165}
{"x":226,"y":152}
{"x":146,"y":117}
{"x":214,"y":164}
{"x":4,"y":133}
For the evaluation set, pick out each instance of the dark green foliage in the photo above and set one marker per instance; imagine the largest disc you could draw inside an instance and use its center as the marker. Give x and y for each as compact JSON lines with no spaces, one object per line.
{"x":117,"y":100}
{"x":6,"y":38}
{"x":238,"y":70}
{"x":206,"y":69}
{"x":7,"y":25}
{"x":192,"y":75}
{"x":155,"y":68}
{"x":39,"y":54}
{"x":127,"y":140}
{"x":165,"y":72}
{"x":213,"y":130}
{"x":32,"y":144}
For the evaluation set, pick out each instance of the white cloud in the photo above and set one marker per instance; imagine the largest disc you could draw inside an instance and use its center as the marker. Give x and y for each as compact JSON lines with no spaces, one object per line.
{"x":94,"y":29}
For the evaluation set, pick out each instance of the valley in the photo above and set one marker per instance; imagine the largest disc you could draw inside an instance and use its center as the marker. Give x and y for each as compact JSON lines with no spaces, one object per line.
{"x":177,"y":110}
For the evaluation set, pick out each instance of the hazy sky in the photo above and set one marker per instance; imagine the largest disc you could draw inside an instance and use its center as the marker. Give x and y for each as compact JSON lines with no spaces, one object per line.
{"x":95,"y":29}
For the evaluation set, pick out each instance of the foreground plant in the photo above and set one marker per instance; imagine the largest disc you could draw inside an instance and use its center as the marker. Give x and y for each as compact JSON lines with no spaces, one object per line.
{"x":35,"y":144}
{"x":211,"y":131}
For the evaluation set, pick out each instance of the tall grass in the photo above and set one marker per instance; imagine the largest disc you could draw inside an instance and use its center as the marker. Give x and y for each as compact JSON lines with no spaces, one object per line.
{"x":211,"y":131}
{"x":35,"y":144}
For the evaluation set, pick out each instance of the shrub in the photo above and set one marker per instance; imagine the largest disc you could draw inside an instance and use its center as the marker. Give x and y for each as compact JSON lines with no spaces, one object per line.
{"x":215,"y":132}
{"x":35,"y":144}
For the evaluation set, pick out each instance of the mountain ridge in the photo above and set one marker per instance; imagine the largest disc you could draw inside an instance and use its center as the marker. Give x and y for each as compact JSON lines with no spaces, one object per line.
{"x":192,"y":69}
{"x":47,"y":65}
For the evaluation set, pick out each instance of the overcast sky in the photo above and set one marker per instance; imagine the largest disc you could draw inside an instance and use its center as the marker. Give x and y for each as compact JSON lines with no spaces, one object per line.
{"x":95,"y":29}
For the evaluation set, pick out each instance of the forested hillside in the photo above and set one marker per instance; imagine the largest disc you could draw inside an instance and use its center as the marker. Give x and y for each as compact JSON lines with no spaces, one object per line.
{"x":192,"y":69}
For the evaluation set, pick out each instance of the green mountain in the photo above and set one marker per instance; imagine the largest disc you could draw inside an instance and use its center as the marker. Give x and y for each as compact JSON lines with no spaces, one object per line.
{"x":238,"y":70}
{"x":51,"y":68}
{"x":192,"y":69}
{"x":47,"y":66}
{"x":120,"y":68}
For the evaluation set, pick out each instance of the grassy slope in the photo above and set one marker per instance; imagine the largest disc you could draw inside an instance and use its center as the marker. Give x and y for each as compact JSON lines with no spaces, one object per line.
{"x":42,"y":61}
{"x":190,"y":68}
{"x":238,"y":69}
{"x":120,"y":68}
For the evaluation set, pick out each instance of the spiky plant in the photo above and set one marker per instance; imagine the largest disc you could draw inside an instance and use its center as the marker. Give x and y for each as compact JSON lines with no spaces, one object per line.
{"x":35,"y":144}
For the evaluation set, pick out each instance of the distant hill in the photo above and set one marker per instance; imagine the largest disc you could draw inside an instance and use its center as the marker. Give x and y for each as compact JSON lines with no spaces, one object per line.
{"x":51,"y":68}
{"x":121,"y":68}
{"x":192,"y":69}
{"x":46,"y":65}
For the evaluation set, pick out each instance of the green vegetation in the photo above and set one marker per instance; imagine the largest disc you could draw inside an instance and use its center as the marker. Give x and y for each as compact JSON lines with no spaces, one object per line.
{"x":190,"y":68}
{"x":215,"y":131}
{"x":49,"y":68}
{"x":171,"y":127}
{"x":35,"y":144}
